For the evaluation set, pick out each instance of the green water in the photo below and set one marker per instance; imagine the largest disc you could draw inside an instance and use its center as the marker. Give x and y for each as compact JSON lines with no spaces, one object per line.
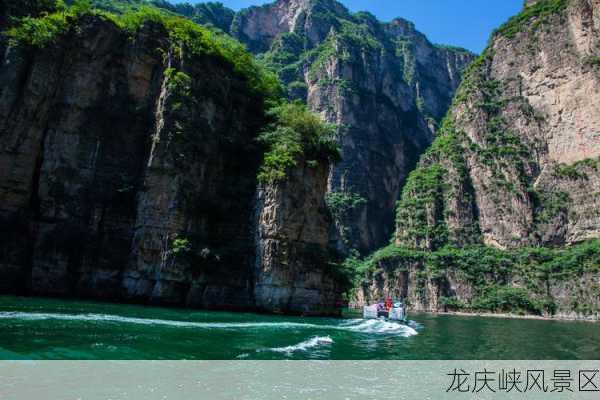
{"x":55,"y":329}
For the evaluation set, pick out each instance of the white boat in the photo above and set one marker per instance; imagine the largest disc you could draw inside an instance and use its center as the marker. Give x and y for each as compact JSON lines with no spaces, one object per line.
{"x":397,"y":312}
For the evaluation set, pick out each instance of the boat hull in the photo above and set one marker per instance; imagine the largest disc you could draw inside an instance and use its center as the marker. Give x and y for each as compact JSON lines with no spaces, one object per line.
{"x":393,"y":314}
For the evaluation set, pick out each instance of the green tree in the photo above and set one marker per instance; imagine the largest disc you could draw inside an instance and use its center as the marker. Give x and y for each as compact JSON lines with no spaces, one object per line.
{"x":295,"y":133}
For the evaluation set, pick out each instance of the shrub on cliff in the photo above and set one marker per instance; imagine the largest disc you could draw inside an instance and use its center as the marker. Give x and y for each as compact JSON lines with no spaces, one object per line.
{"x":39,"y":29}
{"x":341,"y":203}
{"x":295,"y":133}
{"x":538,"y":13}
{"x":11,"y":11}
{"x":183,"y":34}
{"x":507,"y":299}
{"x":210,"y":13}
{"x":491,"y":274}
{"x":200,"y":41}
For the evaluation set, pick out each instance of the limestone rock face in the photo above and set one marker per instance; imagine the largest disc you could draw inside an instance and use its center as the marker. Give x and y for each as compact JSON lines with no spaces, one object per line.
{"x":520,"y":150}
{"x":575,"y":297}
{"x":384,"y":84}
{"x":128,"y":171}
{"x":292,"y":240}
{"x":502,"y":212}
{"x":259,"y":26}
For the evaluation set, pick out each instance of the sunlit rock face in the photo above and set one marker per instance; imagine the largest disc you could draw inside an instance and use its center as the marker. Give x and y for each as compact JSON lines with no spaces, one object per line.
{"x":519,"y":157}
{"x":384,"y":84}
{"x":293,"y":247}
{"x":512,"y":182}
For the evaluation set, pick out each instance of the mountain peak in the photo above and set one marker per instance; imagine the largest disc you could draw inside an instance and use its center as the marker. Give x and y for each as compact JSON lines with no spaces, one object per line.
{"x":259,"y":26}
{"x":400,"y":27}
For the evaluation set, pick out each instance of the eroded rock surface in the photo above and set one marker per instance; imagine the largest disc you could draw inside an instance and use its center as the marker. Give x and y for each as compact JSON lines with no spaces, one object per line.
{"x":293,"y":246}
{"x":128,"y":171}
{"x":384,"y":84}
{"x":518,"y":162}
{"x":515,"y":166}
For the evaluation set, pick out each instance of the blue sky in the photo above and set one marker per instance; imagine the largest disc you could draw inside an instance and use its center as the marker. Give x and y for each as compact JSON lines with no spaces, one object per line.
{"x":464,"y":23}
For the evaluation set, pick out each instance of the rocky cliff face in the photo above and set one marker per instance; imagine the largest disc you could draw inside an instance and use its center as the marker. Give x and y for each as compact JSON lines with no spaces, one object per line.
{"x":293,"y":246}
{"x":129,"y":171}
{"x":515,"y":164}
{"x":385,"y":85}
{"x":350,"y":68}
{"x":261,"y":26}
{"x":553,"y":283}
{"x":517,"y":161}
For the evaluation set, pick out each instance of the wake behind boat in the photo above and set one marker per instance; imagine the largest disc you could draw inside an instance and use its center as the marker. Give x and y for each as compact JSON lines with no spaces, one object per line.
{"x":392,"y":311}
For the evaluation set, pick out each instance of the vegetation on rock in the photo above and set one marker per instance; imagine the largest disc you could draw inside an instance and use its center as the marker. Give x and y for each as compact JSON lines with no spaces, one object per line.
{"x":11,"y":11}
{"x":439,"y":195}
{"x":209,"y":14}
{"x":422,"y":210}
{"x":180,"y":246}
{"x":575,"y":171}
{"x":593,"y":61}
{"x":183,"y":33}
{"x":540,"y":11}
{"x":295,"y":134}
{"x":339,"y":203}
{"x":41,"y":28}
{"x":514,"y":280}
{"x":502,"y":281}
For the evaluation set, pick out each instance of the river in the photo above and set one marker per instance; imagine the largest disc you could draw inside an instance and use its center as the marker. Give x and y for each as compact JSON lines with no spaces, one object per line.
{"x":37,"y":328}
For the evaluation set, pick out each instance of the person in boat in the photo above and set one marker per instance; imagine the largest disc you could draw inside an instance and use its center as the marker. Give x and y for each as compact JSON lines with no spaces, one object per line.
{"x":382,"y":310}
{"x":388,"y":304}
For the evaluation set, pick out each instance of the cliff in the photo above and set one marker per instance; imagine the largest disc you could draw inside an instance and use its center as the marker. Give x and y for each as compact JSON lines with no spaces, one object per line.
{"x":294,"y":269}
{"x":558,"y":283}
{"x":384,"y":84}
{"x":521,"y":140}
{"x":349,"y":68}
{"x":514,"y":165}
{"x":129,"y":155}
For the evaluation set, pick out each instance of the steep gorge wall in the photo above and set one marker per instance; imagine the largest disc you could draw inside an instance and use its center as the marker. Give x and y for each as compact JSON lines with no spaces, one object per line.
{"x":350,"y":68}
{"x":294,"y":268}
{"x":129,"y":173}
{"x":522,"y":137}
{"x":515,"y":165}
{"x":559,"y":283}
{"x":384,"y":84}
